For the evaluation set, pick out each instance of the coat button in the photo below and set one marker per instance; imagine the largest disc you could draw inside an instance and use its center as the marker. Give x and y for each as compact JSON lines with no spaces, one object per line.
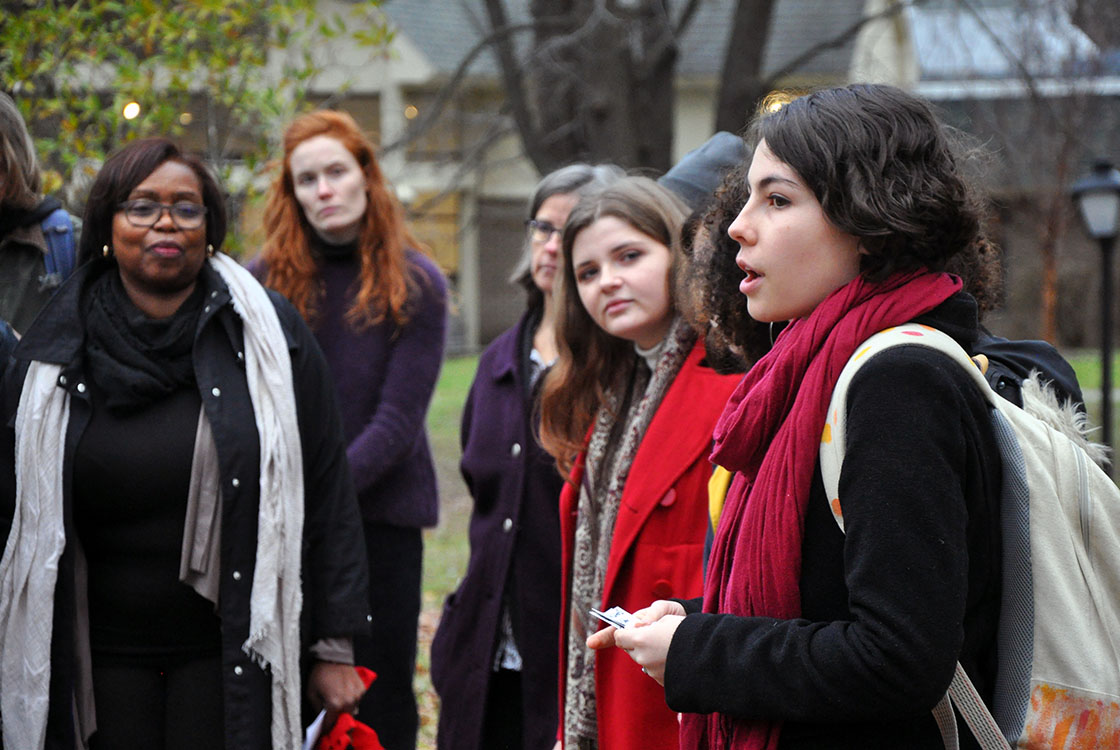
{"x":515,"y":450}
{"x":237,"y":575}
{"x":663,"y":589}
{"x":62,"y":380}
{"x":238,"y":671}
{"x":670,"y":497}
{"x":216,"y":391}
{"x":241,"y":356}
{"x":507,"y":525}
{"x":206,"y":309}
{"x":235,"y":482}
{"x":213,"y":295}
{"x":81,"y":387}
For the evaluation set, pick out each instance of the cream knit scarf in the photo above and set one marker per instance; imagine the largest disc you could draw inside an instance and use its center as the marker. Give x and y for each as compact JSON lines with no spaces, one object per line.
{"x":29,"y":567}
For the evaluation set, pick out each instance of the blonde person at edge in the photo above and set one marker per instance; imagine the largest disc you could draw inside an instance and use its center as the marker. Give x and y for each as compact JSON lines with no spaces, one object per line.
{"x":807,"y":636}
{"x":627,"y":411}
{"x":337,"y":246}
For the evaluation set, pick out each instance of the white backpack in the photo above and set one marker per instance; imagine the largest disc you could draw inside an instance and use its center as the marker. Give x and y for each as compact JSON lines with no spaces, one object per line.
{"x":1058,"y":676}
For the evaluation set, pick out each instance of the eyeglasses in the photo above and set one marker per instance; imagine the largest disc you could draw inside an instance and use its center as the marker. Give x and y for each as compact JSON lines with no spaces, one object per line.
{"x":145,"y":213}
{"x":542,"y":231}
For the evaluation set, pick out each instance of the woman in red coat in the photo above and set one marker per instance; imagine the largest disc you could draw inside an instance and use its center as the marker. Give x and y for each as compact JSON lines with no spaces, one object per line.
{"x":628,"y":412}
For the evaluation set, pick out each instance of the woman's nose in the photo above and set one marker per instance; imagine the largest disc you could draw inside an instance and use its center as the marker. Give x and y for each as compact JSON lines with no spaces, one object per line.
{"x":608,"y":279}
{"x":552,"y":244}
{"x":324,"y":186}
{"x":741,"y":229}
{"x":165,"y":220}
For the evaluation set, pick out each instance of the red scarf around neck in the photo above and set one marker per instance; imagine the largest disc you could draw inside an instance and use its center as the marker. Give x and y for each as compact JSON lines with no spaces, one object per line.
{"x":769,"y":434}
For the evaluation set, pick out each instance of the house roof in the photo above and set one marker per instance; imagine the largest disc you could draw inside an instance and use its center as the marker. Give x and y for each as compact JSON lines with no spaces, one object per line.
{"x":997,"y":40}
{"x":446,"y":31}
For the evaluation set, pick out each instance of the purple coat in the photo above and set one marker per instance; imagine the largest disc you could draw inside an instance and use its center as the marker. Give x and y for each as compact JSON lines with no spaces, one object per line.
{"x":385,"y":375}
{"x":515,"y":553}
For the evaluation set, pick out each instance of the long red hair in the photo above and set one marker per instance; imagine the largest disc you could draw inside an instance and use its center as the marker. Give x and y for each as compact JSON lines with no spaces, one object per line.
{"x":384,"y":278}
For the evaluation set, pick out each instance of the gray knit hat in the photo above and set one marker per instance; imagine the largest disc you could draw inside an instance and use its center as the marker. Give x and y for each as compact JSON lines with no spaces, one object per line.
{"x":698,"y":174}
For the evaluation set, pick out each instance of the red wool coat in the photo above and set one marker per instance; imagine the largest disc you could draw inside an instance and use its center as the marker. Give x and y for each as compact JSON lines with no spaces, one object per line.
{"x":656,"y":551}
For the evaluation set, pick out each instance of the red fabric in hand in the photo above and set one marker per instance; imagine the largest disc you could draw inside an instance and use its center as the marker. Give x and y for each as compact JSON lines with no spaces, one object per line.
{"x":348,"y":733}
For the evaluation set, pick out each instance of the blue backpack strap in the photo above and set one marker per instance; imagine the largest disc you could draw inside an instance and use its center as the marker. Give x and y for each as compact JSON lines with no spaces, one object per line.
{"x":58,"y":230}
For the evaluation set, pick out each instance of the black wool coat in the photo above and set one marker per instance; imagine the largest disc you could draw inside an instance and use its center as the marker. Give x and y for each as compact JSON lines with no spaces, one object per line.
{"x":515,"y":555}
{"x":333,"y":565}
{"x":889,"y":607}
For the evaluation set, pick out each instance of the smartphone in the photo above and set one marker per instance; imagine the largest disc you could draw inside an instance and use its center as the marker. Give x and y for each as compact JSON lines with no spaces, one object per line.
{"x":616,"y":616}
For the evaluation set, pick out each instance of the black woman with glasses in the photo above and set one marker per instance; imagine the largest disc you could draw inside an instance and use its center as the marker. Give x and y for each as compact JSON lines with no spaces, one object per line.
{"x":494,"y":657}
{"x":183,"y":553}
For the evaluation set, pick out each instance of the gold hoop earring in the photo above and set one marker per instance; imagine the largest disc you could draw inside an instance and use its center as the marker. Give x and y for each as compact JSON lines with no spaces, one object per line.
{"x":104,"y":251}
{"x":210,"y":251}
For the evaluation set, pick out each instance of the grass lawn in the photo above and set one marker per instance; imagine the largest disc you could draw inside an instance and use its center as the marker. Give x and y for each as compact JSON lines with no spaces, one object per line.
{"x":1087,"y":364}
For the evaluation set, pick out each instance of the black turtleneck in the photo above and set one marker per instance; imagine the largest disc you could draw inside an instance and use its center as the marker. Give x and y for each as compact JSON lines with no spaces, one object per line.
{"x":329,"y":251}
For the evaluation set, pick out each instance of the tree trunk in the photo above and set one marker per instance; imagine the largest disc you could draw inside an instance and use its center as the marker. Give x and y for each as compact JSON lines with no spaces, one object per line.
{"x":602,"y":88}
{"x":741,"y":83}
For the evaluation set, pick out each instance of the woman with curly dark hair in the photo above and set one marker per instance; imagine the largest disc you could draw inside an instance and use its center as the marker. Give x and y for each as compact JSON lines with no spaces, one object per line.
{"x":807,"y":636}
{"x":709,"y":281}
{"x":339,"y":249}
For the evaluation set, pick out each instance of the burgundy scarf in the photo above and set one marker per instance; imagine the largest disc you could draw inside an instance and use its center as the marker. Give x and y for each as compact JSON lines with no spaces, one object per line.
{"x":769,"y":433}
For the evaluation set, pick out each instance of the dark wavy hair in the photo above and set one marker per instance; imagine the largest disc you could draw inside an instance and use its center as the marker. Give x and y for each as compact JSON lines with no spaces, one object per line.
{"x":126,"y":169}
{"x":884,"y":170}
{"x":590,"y":360}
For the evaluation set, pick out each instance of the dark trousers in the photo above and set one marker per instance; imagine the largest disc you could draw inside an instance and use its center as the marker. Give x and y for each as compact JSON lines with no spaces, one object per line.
{"x":389,"y":706}
{"x":174,"y":708}
{"x":501,"y":724}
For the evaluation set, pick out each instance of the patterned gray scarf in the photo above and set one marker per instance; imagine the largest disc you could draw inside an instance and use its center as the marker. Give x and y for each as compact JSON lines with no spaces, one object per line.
{"x":619,"y":426}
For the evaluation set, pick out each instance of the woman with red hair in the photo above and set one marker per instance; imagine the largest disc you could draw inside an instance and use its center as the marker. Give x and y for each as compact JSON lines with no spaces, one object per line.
{"x":338,"y":248}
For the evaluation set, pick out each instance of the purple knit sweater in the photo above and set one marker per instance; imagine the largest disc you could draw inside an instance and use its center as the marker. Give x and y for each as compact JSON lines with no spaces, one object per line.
{"x":384,"y":376}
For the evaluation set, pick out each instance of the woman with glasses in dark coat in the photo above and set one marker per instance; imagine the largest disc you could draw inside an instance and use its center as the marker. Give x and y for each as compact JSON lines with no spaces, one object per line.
{"x":182,"y":534}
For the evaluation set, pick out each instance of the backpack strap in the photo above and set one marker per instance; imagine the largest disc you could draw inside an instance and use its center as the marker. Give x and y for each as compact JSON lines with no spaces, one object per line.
{"x":962,"y":694}
{"x":832,"y":439}
{"x":58,"y":230}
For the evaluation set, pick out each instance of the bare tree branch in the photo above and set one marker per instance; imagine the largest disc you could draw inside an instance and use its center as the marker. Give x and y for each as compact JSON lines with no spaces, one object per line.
{"x":840,"y":39}
{"x":1025,"y":75}
{"x":516,"y":94}
{"x":466,"y":163}
{"x":434,"y":112}
{"x":685,"y":20}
